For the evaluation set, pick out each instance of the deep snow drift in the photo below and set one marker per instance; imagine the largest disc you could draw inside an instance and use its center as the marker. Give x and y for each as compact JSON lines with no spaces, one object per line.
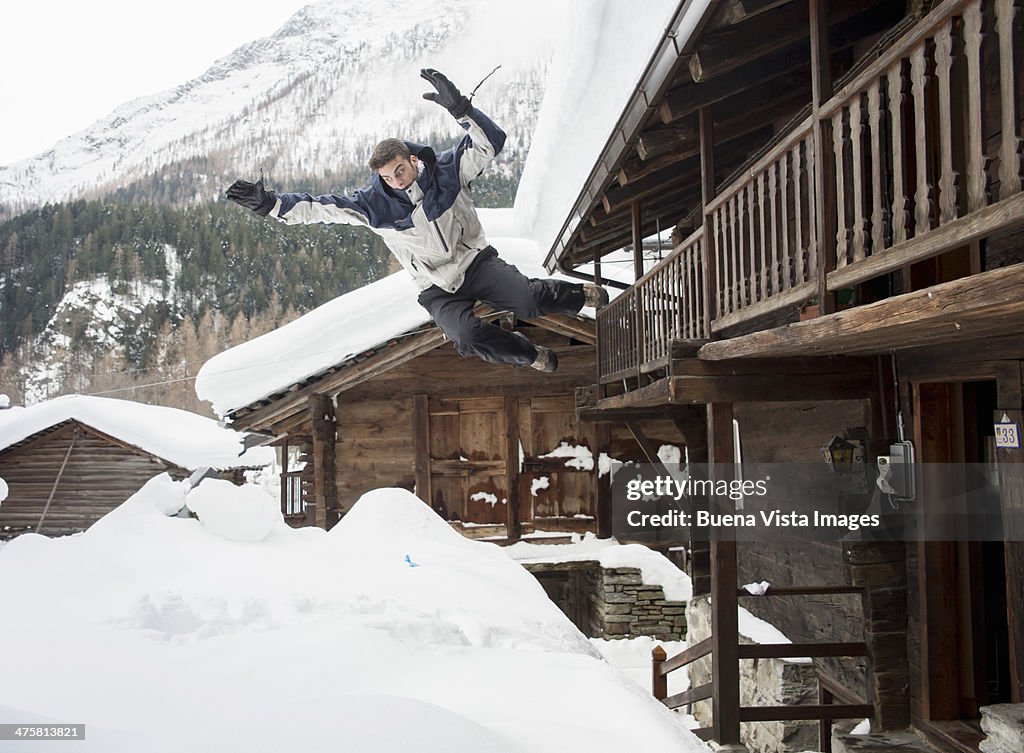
{"x":389,"y":633}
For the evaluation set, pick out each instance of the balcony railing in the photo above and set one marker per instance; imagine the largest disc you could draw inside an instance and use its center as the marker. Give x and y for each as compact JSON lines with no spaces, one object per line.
{"x":667,"y":304}
{"x":921,"y":153}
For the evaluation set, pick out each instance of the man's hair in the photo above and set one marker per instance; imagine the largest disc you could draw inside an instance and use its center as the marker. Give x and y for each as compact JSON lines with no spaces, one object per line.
{"x":386,"y":151}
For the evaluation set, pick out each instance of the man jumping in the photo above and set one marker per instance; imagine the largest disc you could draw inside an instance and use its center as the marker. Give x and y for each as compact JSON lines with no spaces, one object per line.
{"x":419,"y":203}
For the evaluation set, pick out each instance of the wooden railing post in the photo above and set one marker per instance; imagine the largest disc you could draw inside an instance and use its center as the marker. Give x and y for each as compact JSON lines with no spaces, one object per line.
{"x":725,"y":668}
{"x":659,"y":681}
{"x":824,"y":195}
{"x":710,"y":244}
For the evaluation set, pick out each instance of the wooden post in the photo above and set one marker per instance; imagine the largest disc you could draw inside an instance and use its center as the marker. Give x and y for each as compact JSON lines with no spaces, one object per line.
{"x":710,"y":245}
{"x":602,"y":484}
{"x":638,"y":239}
{"x":659,"y":682}
{"x":1011,"y":490}
{"x":725,"y":668}
{"x":325,"y":487}
{"x":421,"y":446}
{"x":824,"y":175}
{"x":513,"y":525}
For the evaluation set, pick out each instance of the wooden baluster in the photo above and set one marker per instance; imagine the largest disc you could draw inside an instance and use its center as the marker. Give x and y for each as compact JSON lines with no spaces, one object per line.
{"x":719,"y":249}
{"x":923,"y":194}
{"x":764,"y":235}
{"x":976,"y":160}
{"x":877,"y":188}
{"x":785,"y":260}
{"x":856,"y":128}
{"x":812,"y":210}
{"x":798,"y":254}
{"x":773,"y":190}
{"x":1009,"y":152}
{"x":737,"y":271}
{"x":751,"y":288}
{"x":899,"y":192}
{"x":947,"y":175}
{"x":689,"y":331}
{"x":842,"y":242}
{"x":698,"y":276}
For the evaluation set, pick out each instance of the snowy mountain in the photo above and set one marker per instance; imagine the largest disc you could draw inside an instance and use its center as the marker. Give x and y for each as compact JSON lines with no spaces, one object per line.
{"x":310,"y":100}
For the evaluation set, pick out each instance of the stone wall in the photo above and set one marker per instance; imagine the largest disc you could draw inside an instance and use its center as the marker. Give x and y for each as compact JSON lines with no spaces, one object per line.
{"x":763,"y":682}
{"x":611,"y":602}
{"x":623,"y":606}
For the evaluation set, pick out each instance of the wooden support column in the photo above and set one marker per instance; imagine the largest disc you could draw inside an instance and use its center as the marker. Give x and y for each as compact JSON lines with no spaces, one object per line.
{"x":824,"y":168}
{"x":513,"y":525}
{"x":1011,"y":491}
{"x":421,"y":446}
{"x":725,"y":668}
{"x":636,"y":215}
{"x":325,"y":486}
{"x":694,"y":431}
{"x":602,"y":484}
{"x":709,"y":262}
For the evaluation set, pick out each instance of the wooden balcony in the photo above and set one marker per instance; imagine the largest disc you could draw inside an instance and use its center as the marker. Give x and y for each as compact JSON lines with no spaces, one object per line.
{"x":917,"y":154}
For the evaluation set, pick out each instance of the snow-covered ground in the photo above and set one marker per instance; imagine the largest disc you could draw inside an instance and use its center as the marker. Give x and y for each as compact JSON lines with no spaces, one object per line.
{"x":389,"y":633}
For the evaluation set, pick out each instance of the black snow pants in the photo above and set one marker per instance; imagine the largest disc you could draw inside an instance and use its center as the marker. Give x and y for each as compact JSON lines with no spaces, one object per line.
{"x":491,"y":280}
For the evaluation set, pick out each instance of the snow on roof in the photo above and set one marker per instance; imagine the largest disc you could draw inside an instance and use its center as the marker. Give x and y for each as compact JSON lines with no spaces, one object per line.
{"x":185,"y":439}
{"x":389,"y":633}
{"x":339,"y":329}
{"x":591,"y":78}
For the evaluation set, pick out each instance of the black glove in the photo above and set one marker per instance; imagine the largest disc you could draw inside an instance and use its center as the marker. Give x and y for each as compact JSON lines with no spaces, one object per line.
{"x":252,"y":196}
{"x":448,"y":95}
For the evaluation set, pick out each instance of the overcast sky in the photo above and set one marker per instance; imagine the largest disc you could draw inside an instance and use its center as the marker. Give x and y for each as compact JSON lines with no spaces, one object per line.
{"x":66,"y":63}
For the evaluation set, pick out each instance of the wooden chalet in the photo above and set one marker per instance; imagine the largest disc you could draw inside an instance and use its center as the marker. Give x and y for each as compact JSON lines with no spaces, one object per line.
{"x":845,"y":180}
{"x":65,"y":470}
{"x":495,"y":450}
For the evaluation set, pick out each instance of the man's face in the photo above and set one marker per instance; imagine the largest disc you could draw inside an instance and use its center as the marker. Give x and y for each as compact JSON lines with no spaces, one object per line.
{"x":400,"y":172}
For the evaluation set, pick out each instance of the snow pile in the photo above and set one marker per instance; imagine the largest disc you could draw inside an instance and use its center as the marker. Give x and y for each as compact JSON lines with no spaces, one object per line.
{"x":185,"y":439}
{"x":236,"y":513}
{"x":655,"y":569}
{"x":4,"y":490}
{"x":389,"y":633}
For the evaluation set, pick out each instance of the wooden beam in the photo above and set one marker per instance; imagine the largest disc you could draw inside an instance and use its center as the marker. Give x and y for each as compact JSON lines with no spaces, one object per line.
{"x":657,"y":141}
{"x":636,"y":214}
{"x":725,"y":671}
{"x":961,"y":311}
{"x":709,"y":286}
{"x":1002,"y":215}
{"x":325,"y":487}
{"x":686,"y":172}
{"x":751,"y":38}
{"x":1011,"y":493}
{"x":513,"y":525}
{"x":421,"y":447}
{"x":570,"y":326}
{"x":646,"y":446}
{"x":602,"y":484}
{"x":779,"y":73}
{"x":733,"y":11}
{"x":824,"y":172}
{"x":796,"y":713}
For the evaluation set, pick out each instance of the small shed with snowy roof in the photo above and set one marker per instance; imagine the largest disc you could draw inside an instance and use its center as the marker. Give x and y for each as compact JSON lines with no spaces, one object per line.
{"x":67,"y":462}
{"x":365,"y":392}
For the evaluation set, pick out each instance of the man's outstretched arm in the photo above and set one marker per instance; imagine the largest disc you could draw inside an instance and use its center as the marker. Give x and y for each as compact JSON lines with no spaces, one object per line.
{"x":298,"y":208}
{"x":484,"y":140}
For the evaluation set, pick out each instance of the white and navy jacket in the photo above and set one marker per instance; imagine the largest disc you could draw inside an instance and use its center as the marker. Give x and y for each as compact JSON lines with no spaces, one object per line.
{"x":432,"y":227}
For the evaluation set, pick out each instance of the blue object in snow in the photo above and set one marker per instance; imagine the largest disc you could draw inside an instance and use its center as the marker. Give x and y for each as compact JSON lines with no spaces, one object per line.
{"x":409,"y":561}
